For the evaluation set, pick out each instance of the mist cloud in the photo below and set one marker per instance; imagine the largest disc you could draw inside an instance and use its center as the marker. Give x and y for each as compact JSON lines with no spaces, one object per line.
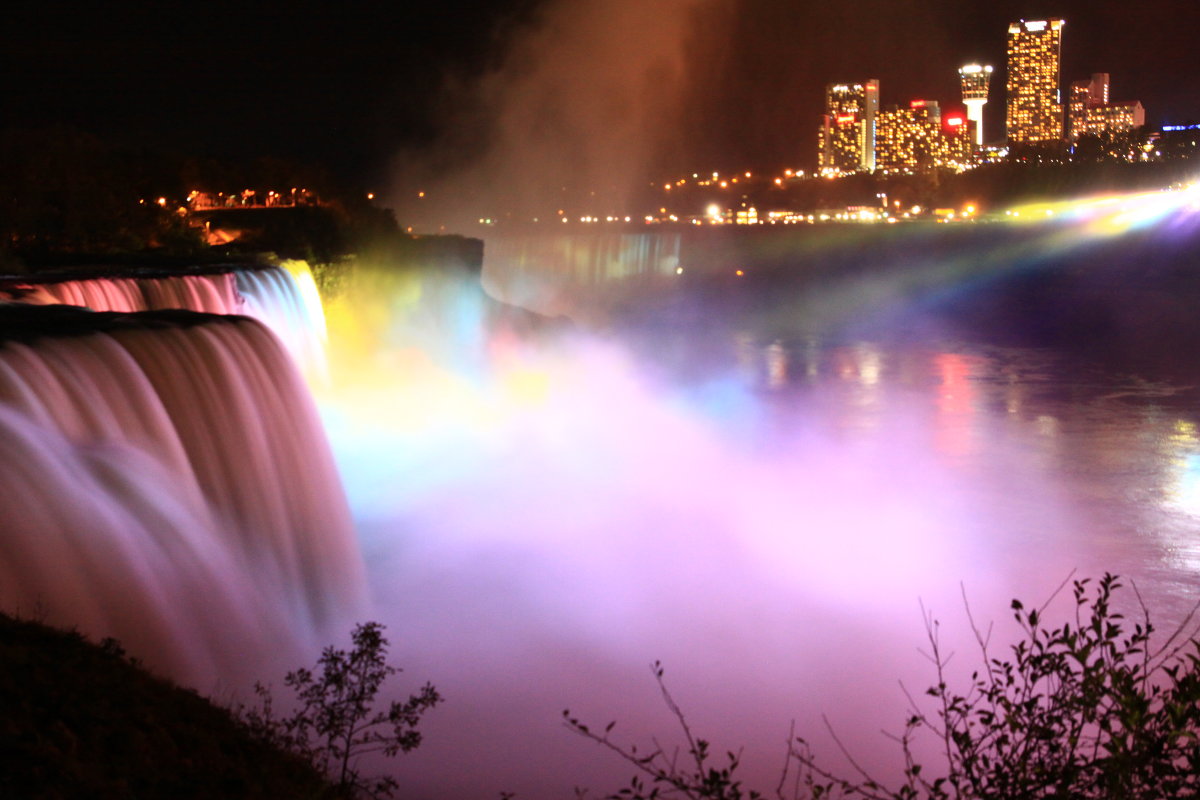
{"x":584,"y":99}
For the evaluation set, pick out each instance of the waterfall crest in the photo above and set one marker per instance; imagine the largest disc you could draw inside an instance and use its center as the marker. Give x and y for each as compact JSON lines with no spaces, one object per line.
{"x":283,"y":297}
{"x":214,"y":293}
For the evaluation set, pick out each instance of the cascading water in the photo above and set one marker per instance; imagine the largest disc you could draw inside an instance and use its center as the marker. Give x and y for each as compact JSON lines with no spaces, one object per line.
{"x":101,"y":538}
{"x":214,"y":293}
{"x":283,"y":297}
{"x":547,"y":273}
{"x":167,"y":482}
{"x":107,"y":294}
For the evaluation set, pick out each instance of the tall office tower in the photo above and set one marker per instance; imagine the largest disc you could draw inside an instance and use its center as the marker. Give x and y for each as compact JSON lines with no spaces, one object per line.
{"x":847,"y":136}
{"x":975,"y":78}
{"x":1035,"y":109}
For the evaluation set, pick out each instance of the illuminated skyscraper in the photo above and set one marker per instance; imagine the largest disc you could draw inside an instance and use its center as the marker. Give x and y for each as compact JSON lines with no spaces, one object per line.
{"x":847,"y":136}
{"x":917,"y":139}
{"x":1035,"y":109}
{"x":975,"y":80}
{"x":905,"y":139}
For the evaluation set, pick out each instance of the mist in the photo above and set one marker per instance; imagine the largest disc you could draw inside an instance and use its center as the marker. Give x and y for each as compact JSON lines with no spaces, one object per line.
{"x":573,"y":117}
{"x":759,"y":503}
{"x":544,"y":517}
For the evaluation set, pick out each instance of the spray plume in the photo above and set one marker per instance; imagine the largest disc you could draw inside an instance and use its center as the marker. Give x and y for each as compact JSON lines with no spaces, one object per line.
{"x":583,"y":100}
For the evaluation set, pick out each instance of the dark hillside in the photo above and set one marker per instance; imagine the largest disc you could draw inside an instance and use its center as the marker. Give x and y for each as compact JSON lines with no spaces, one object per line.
{"x":81,"y":720}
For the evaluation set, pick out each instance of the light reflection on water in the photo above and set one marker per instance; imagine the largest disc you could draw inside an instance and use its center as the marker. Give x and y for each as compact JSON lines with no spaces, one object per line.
{"x":1123,"y":451}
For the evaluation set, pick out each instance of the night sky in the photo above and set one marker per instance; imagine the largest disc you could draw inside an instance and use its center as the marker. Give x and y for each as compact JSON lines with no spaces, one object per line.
{"x":358,"y":87}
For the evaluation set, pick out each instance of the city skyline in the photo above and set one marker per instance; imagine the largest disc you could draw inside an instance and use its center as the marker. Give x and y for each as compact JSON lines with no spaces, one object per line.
{"x":860,"y":133}
{"x":358,"y":88}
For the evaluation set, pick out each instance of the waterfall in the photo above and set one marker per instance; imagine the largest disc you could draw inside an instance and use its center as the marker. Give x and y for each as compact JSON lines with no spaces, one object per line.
{"x":568,"y":274}
{"x":286,"y":299}
{"x":283,"y":297}
{"x":214,"y":293}
{"x":166,"y":481}
{"x":99,"y":538}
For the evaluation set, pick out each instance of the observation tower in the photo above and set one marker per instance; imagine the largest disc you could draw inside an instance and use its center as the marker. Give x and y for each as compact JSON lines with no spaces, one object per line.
{"x":975,"y":78}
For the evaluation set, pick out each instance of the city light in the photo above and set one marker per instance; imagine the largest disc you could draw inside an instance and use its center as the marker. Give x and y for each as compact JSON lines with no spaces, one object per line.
{"x":859,"y":136}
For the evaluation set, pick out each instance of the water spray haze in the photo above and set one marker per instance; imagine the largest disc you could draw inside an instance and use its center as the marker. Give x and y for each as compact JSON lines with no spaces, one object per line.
{"x":583,"y":100}
{"x":554,"y":507}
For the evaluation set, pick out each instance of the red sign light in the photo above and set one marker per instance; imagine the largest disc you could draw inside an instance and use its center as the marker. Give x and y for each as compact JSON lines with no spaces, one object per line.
{"x":917,"y":104}
{"x":954,"y":122}
{"x":845,"y":119}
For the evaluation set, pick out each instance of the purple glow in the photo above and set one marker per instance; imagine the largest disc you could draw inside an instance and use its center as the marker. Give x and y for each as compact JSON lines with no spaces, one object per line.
{"x":542,"y":525}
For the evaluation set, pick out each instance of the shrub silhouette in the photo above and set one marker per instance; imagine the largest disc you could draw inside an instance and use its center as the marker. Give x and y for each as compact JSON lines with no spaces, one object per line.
{"x":335,"y":722}
{"x":1093,"y":708}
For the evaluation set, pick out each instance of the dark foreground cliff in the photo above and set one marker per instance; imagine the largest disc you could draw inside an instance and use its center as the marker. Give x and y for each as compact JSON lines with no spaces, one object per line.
{"x":79,"y":719}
